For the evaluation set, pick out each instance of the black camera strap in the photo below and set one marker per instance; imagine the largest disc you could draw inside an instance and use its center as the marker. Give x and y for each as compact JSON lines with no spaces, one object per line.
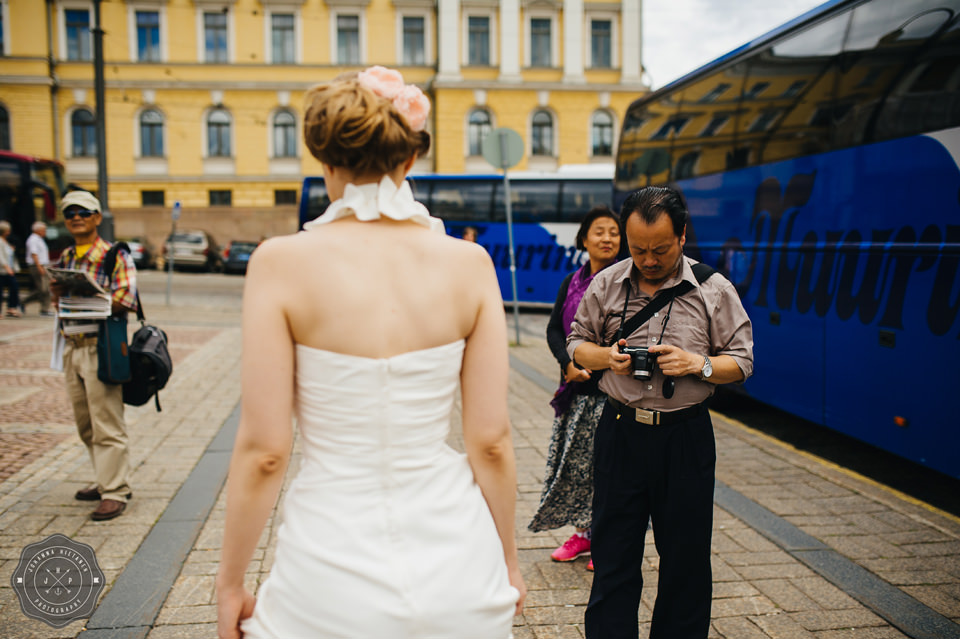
{"x":644,"y":314}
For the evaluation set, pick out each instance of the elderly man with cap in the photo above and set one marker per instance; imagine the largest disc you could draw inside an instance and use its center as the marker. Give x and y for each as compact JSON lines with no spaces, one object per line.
{"x":38,"y":259}
{"x":97,"y":407}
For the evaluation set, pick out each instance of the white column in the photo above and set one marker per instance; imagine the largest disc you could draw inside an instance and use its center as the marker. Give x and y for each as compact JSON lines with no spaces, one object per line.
{"x":573,"y":43}
{"x":448,"y":32}
{"x":510,"y":41}
{"x":632,"y":39}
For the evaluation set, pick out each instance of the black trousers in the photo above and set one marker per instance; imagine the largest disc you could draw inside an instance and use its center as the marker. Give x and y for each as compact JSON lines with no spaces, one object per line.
{"x":664,"y":474}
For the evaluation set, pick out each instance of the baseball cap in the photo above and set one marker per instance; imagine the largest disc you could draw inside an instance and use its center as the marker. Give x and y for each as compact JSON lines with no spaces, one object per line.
{"x":83,"y":199}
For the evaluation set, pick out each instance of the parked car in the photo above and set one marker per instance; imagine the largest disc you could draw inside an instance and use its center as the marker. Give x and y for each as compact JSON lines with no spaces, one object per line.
{"x":142,"y":251}
{"x":193,"y":250}
{"x":236,"y":255}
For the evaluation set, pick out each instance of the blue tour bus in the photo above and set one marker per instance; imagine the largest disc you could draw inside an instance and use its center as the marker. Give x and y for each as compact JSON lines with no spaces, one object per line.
{"x":546,"y":209}
{"x":820,"y":166}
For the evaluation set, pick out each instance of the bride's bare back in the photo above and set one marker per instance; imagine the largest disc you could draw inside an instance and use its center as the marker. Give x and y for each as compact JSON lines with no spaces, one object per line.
{"x":374,"y":289}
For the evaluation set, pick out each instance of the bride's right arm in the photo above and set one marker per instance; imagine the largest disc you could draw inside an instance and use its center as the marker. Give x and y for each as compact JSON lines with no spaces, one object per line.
{"x":265,"y":435}
{"x":486,"y":421}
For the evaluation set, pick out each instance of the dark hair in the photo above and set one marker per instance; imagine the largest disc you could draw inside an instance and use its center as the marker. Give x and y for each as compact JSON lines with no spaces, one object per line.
{"x":651,"y":202}
{"x":601,"y":210}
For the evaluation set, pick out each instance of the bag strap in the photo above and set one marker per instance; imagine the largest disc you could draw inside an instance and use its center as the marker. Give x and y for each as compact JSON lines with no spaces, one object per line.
{"x":110,"y":263}
{"x":701,"y":272}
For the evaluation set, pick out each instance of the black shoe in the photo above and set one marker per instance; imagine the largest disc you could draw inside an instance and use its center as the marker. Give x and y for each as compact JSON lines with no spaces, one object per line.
{"x":88,"y":494}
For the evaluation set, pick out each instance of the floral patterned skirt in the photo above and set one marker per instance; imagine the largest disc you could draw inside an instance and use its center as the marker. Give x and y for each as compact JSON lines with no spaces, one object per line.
{"x":567,"y":498}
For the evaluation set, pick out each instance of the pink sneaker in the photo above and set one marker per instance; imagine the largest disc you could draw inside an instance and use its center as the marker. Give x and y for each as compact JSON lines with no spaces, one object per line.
{"x":572,"y":548}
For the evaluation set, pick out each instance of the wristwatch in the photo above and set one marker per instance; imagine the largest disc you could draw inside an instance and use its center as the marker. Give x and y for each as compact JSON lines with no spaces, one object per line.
{"x":707,"y":369}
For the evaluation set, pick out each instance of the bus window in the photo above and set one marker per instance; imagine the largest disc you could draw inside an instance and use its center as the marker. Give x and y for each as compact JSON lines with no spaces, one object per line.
{"x":317,"y":200}
{"x":460,"y":199}
{"x":579,"y":196}
{"x":531,"y":201}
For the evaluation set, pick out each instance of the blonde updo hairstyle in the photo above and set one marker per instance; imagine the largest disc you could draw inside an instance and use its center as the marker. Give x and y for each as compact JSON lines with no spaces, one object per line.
{"x":348,"y":125}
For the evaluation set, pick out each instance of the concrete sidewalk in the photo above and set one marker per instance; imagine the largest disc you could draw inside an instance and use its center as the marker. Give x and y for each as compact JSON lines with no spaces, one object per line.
{"x":801,"y":548}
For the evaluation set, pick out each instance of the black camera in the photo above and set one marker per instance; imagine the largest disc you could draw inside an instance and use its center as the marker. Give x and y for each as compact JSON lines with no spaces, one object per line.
{"x":642,"y":361}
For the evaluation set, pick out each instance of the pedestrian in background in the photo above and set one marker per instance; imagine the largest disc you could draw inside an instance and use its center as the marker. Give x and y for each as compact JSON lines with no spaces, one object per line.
{"x":97,"y":407}
{"x":654,"y":450}
{"x":469,"y":234}
{"x":8,"y":272}
{"x":568,"y":481}
{"x":38,"y":259}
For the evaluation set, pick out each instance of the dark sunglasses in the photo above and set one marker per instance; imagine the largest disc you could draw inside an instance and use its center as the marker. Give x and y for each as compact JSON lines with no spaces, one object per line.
{"x":84,"y":213}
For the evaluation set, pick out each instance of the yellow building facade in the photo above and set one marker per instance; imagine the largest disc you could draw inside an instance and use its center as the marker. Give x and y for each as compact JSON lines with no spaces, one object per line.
{"x":204,"y":98}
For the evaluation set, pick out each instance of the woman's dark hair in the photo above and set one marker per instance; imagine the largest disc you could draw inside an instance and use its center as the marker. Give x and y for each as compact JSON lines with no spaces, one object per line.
{"x":651,"y":202}
{"x":591,"y":216}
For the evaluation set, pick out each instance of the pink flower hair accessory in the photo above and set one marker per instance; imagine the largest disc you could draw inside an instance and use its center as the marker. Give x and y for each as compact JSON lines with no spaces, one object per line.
{"x":407,"y":99}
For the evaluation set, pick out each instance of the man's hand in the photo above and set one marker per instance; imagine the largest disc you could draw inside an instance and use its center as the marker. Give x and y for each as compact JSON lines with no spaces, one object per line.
{"x":620,"y":362}
{"x":676,"y":362}
{"x":574,"y":374}
{"x":56,"y":290}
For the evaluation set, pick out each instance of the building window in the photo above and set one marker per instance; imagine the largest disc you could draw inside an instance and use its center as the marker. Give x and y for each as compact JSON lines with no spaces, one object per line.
{"x":83,"y":127}
{"x":4,"y":129}
{"x":148,"y":36}
{"x":715,"y":123}
{"x":151,"y":134}
{"x":283,"y":38}
{"x":478,"y":40}
{"x":414,"y":44}
{"x":284,"y":196}
{"x":478,"y":125}
{"x":542,"y":142}
{"x":3,"y":43}
{"x":218,"y":134}
{"x":794,"y":89}
{"x":763,"y":122}
{"x":714,"y":93}
{"x":601,"y":134}
{"x":215,"y":37}
{"x":78,"y":34}
{"x":601,"y":43}
{"x":284,"y":135}
{"x":540,"y":41}
{"x":222,"y":197}
{"x":151,"y":198}
{"x":756,"y":90}
{"x":348,"y":39}
{"x":686,"y":165}
{"x":673,"y":125}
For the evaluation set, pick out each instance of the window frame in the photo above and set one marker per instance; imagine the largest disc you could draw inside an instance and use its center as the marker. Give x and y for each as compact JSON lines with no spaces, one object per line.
{"x":268,"y":14}
{"x":273,"y":133}
{"x":492,"y":35}
{"x":551,"y":16}
{"x":207,"y":114}
{"x":613,"y":133}
{"x":219,"y":192}
{"x":161,"y":11}
{"x":8,"y":131}
{"x":467,"y":128}
{"x":553,"y":133}
{"x":614,"y":19}
{"x":62,"y":22}
{"x":427,"y":18}
{"x":4,"y":28}
{"x":163,"y":131}
{"x":163,"y":197}
{"x":93,"y":126}
{"x":202,"y":11}
{"x":360,"y":14}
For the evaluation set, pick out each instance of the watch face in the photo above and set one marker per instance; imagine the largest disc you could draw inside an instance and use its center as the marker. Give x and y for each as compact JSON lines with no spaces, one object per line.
{"x":707,"y":368}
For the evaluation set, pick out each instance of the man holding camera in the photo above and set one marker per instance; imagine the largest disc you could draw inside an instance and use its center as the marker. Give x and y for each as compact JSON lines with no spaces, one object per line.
{"x":654,"y":452}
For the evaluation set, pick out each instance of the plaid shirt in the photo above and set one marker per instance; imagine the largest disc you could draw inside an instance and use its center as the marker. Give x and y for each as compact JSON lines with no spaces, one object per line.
{"x":123,"y":283}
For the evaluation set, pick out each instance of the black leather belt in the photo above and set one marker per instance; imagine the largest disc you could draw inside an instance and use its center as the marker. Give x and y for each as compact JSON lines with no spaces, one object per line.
{"x":659,"y":417}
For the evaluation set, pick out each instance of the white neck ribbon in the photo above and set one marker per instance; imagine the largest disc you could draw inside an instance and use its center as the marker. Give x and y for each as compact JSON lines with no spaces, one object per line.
{"x":370,"y":202}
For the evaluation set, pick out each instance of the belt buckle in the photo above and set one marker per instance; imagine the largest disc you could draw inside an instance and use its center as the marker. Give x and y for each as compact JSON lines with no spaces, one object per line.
{"x":650,"y":417}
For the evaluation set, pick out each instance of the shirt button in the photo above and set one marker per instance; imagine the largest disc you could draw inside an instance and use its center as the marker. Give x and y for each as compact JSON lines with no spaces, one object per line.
{"x":649,"y":386}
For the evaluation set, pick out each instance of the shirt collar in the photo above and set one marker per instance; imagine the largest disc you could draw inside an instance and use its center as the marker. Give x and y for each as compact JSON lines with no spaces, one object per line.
{"x":630,"y":271}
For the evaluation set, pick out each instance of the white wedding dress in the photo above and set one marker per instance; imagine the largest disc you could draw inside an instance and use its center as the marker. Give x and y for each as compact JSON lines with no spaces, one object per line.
{"x":385,"y":533}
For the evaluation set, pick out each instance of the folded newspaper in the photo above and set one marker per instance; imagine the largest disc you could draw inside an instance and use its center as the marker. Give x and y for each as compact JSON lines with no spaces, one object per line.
{"x":81,"y":296}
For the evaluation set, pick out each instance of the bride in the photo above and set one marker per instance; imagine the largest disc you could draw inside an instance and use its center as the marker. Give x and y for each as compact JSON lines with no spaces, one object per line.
{"x":360,"y":328}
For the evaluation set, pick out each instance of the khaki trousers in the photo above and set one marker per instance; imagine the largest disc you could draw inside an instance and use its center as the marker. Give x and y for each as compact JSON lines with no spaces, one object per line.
{"x":98,"y":411}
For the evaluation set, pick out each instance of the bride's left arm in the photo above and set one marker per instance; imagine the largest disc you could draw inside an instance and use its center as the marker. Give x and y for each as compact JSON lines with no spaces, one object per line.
{"x":262,"y":447}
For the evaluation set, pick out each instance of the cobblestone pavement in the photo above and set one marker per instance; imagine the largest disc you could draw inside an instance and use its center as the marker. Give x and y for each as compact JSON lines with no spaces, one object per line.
{"x":763,"y":589}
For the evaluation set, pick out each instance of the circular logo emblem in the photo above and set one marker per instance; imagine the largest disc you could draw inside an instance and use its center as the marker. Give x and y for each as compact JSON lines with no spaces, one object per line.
{"x":58,"y":581}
